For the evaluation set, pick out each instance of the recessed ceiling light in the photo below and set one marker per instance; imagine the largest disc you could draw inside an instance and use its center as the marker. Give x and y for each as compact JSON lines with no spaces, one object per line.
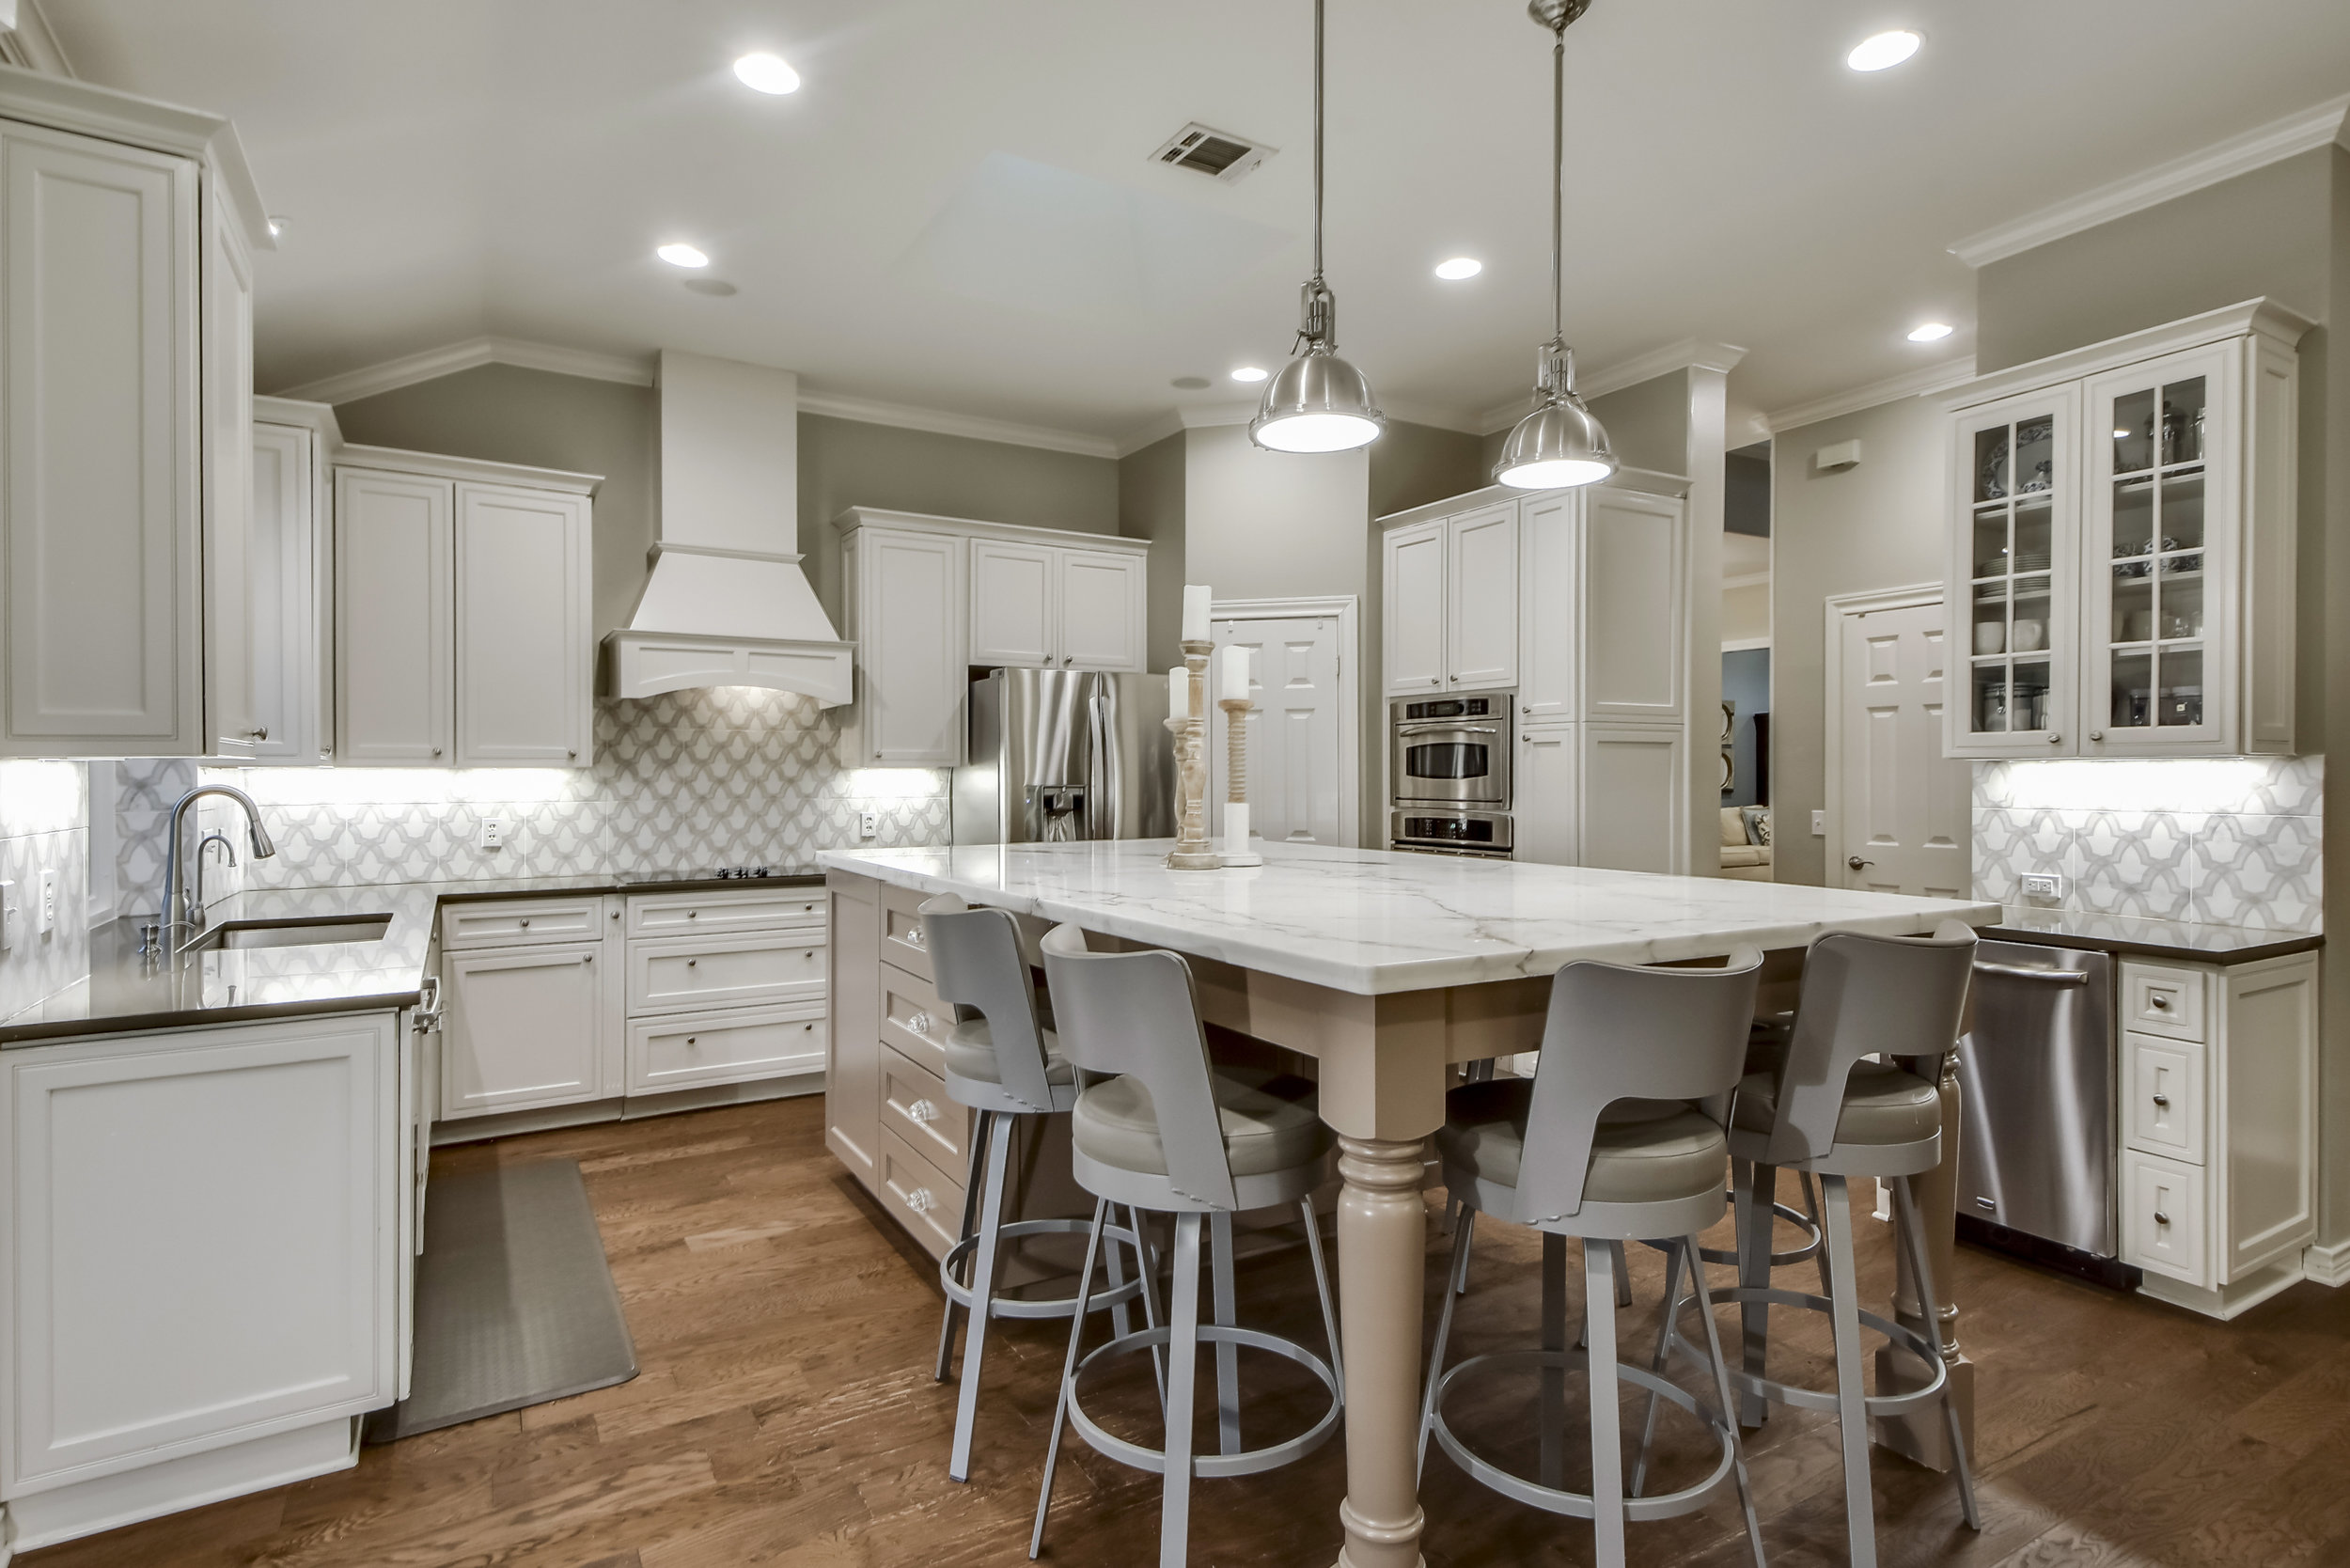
{"x":1251,"y":372}
{"x":1929,"y":332}
{"x":1459,"y":267}
{"x":678,"y":254}
{"x":767,"y":74}
{"x":1885,"y":49}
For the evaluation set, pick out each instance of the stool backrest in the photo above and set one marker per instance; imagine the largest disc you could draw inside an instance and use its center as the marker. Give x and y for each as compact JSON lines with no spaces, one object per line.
{"x":977,"y":964}
{"x":1866,"y":996}
{"x":1134,"y":1013}
{"x":1623,"y":1032}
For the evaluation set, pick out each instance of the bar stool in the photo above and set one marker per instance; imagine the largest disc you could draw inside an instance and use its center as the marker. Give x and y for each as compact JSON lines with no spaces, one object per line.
{"x":1830,"y":1111}
{"x":1617,"y":1136}
{"x":1173,"y":1134}
{"x":1001,"y":1064}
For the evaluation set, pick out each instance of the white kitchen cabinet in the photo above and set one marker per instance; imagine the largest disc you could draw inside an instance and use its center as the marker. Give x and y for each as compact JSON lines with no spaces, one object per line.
{"x":201,"y":1258}
{"x":395,"y":607}
{"x":1550,"y":606}
{"x":1014,"y":597}
{"x":1631,"y":788}
{"x":525,"y":1029}
{"x":2123,"y":533}
{"x":1481,"y":598}
{"x":1101,"y":609}
{"x":1636,"y":571}
{"x":1547,"y":818}
{"x":292,"y":570}
{"x":231,"y":605}
{"x":1412,"y":608}
{"x":697,"y":1049}
{"x":525,"y":667}
{"x":904,"y":595}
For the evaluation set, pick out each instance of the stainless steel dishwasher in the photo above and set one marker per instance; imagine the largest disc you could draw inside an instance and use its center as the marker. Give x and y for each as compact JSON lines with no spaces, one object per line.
{"x":2037,"y":1141}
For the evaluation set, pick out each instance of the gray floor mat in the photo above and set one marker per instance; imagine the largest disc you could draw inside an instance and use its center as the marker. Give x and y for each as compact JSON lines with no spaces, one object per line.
{"x":515,"y":1305}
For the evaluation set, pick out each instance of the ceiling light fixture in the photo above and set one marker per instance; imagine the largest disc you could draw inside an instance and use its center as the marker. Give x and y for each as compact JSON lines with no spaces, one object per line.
{"x":1931,"y":332}
{"x":680,"y":255}
{"x":1559,"y":444}
{"x":1251,"y":372}
{"x":1883,"y":50}
{"x":1319,"y":403}
{"x":767,"y":74}
{"x":1457,"y":268}
{"x":277,"y":224}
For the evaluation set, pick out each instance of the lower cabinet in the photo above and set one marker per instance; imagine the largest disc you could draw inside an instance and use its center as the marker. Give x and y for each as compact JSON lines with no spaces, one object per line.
{"x":724,"y":1046}
{"x":524,"y":1029}
{"x":1602,"y":794}
{"x":203,"y":1254}
{"x":1548,"y":821}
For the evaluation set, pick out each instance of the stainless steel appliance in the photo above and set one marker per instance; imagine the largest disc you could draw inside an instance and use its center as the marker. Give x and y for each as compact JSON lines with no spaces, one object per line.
{"x":2036,"y":1076}
{"x":1059,"y":753}
{"x":1450,"y":751}
{"x":1426,"y":830}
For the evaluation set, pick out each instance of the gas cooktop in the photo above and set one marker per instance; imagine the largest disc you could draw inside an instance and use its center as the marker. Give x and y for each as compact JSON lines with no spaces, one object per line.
{"x":726,"y":874}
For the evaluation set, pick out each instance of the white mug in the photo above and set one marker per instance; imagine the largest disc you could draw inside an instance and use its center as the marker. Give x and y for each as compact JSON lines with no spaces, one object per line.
{"x":2030,"y":635}
{"x":1990,"y":637}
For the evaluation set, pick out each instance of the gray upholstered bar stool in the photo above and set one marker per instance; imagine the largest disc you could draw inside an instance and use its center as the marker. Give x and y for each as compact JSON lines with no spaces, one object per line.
{"x":1829,"y":1110}
{"x":1001,"y":1064}
{"x":1617,"y":1136}
{"x":1168,"y":1132}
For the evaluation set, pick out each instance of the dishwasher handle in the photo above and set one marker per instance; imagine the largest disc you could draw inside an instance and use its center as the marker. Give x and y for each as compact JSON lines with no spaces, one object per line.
{"x":2020,"y":971}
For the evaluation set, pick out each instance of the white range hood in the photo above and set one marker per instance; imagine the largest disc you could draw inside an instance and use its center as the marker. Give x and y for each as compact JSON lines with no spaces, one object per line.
{"x":727,"y":603}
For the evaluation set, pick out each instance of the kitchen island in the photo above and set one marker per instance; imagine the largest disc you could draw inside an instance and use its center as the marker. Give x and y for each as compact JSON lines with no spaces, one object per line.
{"x":1386,"y":969}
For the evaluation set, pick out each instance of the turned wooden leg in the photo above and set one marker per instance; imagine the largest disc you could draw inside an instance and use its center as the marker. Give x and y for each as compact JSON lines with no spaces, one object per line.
{"x":1923,"y":1435}
{"x":1382,"y":1238}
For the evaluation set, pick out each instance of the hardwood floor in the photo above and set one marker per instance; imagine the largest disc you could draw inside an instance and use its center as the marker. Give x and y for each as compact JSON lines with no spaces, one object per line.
{"x":785,"y":1412}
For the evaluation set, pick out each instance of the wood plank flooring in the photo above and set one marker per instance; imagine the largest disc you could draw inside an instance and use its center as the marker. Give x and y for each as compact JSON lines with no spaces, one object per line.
{"x":786,"y":1414}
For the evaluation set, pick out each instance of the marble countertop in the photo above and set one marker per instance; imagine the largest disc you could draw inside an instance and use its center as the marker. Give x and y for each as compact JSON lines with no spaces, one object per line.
{"x":128,"y":991}
{"x":1371,"y":922}
{"x":2130,"y":933}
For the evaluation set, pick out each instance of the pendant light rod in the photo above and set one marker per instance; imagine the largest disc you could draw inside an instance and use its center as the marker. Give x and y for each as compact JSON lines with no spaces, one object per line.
{"x":1557,"y":177}
{"x":1318,"y":4}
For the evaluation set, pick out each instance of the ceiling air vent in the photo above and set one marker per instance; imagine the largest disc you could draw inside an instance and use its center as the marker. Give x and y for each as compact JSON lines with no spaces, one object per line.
{"x":1218,"y":154}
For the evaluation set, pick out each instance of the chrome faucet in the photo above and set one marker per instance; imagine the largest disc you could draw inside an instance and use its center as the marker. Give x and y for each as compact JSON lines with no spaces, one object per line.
{"x":228,"y":857}
{"x":180,"y":909}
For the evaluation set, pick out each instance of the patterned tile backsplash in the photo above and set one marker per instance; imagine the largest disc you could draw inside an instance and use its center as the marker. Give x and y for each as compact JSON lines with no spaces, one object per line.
{"x":2232,"y":842}
{"x":44,"y":826}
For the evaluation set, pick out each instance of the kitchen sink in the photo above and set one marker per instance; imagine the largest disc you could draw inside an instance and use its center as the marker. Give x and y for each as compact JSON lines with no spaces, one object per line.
{"x":314,"y":931}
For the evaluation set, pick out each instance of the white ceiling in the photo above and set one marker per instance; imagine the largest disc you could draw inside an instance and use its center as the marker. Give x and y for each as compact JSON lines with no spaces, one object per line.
{"x":460,"y":167}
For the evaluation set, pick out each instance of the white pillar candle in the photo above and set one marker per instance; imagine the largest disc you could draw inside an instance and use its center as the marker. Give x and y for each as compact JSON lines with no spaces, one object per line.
{"x":1232,"y":674}
{"x":1196,"y":596}
{"x":1235,"y":827}
{"x":1178,"y":693}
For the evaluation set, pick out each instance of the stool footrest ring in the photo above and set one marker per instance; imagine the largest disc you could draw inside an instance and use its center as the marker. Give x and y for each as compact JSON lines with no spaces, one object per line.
{"x":1802,"y":1252}
{"x":1907,"y":1339}
{"x":1210,"y":1466}
{"x":1050,"y":1306}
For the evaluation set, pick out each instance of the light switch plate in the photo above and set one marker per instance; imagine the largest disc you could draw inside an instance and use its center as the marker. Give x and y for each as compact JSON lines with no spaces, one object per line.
{"x":1819,"y":824}
{"x":2043,"y":884}
{"x":493,"y":833}
{"x":869,"y":824}
{"x":48,"y":900}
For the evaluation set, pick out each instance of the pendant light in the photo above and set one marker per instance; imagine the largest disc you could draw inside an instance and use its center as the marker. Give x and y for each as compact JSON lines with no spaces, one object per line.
{"x":1559,"y":444}
{"x":1319,"y":403}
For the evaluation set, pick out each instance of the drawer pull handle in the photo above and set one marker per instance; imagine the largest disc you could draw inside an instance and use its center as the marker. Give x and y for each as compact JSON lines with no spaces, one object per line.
{"x":692,"y":962}
{"x":919,"y":1023}
{"x":919,"y":1201}
{"x":693,"y":913}
{"x":2161,"y":1218}
{"x":690,"y":1039}
{"x":526,"y":925}
{"x":2163,"y":1100}
{"x":922,"y":1110}
{"x":2160,"y":1004}
{"x":914,"y":937}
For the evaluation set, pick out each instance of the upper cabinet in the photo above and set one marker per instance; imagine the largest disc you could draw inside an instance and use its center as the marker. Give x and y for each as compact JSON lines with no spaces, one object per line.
{"x":1452,"y":603}
{"x":2123,"y":537}
{"x":927,"y":600}
{"x":1414,"y":610}
{"x":126,"y":233}
{"x":290,"y":553}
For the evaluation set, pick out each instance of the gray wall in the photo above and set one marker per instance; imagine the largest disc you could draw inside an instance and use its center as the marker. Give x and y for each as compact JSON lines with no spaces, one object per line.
{"x":1150,"y":506}
{"x":1746,"y":492}
{"x":1648,"y":423}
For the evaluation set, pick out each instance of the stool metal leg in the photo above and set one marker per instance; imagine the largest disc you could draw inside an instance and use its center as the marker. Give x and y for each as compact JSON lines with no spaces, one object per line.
{"x":1757,"y":1186}
{"x":1068,"y":1372}
{"x":1929,"y":1307}
{"x":1121,"y":1324}
{"x":1623,"y":1274}
{"x":1147,"y":1265}
{"x":1722,"y":1393}
{"x":996,"y":1129}
{"x":1599,"y":1267}
{"x":1456,"y":1286}
{"x":1227,"y":1316}
{"x":1811,"y":1207}
{"x":1554,"y":1378}
{"x":1852,"y":1410}
{"x":970,"y":1217}
{"x":1321,"y":1288}
{"x":1664,"y":1353}
{"x":1183,"y":1345}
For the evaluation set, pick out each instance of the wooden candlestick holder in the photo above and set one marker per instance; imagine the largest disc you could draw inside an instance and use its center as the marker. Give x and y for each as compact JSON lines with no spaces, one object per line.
{"x":1236,"y":850}
{"x":1191,"y":852}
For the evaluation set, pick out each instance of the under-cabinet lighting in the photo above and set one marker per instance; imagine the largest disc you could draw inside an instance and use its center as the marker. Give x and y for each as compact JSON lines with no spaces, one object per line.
{"x":2139,"y":784}
{"x":767,"y":74}
{"x":1883,"y":50}
{"x":1929,"y":332}
{"x":895,"y":783}
{"x":409,"y":786}
{"x":678,"y":253}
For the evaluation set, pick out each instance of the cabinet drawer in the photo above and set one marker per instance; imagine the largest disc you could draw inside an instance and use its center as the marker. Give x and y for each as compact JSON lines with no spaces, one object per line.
{"x":902,"y":931}
{"x":918,"y":1194}
{"x":693,"y":913}
{"x":912,"y":1020}
{"x":723,"y":1047}
{"x":511,"y":923}
{"x":2164,"y":1085}
{"x":2162,"y":1218}
{"x":692,"y":973}
{"x":916,"y":1107}
{"x":2167,"y":1002}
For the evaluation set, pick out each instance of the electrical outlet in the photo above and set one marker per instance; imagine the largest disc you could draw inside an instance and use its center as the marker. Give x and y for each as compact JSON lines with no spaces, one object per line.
{"x":1819,"y":824}
{"x":11,"y":917}
{"x":493,"y":833}
{"x":2044,"y":885}
{"x":48,"y":901}
{"x":869,"y":824}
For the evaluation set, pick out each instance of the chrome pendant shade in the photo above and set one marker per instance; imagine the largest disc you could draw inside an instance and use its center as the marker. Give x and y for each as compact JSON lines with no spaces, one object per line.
{"x":1561,"y":444}
{"x":1319,"y":403}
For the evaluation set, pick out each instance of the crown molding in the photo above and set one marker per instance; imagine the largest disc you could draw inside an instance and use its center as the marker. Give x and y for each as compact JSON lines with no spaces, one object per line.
{"x":1151,"y":433}
{"x":1920,"y":382}
{"x":392,"y":374}
{"x":1690,"y":354}
{"x":2295,"y":134}
{"x":943,"y":422}
{"x":2278,"y":324}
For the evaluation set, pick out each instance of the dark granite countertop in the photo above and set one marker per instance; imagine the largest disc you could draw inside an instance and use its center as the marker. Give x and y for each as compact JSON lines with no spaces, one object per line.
{"x":2130,"y":933}
{"x":127,"y":992}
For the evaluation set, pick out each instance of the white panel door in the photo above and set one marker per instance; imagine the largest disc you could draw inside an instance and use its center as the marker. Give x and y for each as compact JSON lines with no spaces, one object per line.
{"x":200,"y":1235}
{"x":1634,"y":570}
{"x":99,"y":410}
{"x":911,"y":635}
{"x":1550,"y":598}
{"x":1012,"y":600}
{"x":1482,"y":599}
{"x":526,"y":671}
{"x":1101,"y":609}
{"x":1296,"y":777}
{"x":230,"y":603}
{"x":1547,"y":818}
{"x":285,"y":589}
{"x":394,"y":688}
{"x":1413,"y":600}
{"x":1906,"y":810}
{"x":1633,"y":793}
{"x":524,"y":1028}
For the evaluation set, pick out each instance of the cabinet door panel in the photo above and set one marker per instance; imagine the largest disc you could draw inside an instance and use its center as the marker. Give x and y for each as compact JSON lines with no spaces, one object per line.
{"x":99,"y":406}
{"x":1100,"y":610}
{"x":230,"y":603}
{"x":2270,"y":1182}
{"x":723,"y":1047}
{"x":525,"y":1027}
{"x":1635,"y":560}
{"x":284,"y":618}
{"x":2015,"y":577}
{"x":523,"y":667}
{"x":1633,"y":793}
{"x":394,"y":544}
{"x":1550,"y":604}
{"x":1414,"y":609}
{"x":911,"y":635}
{"x":1547,"y":818}
{"x":1481,"y":598}
{"x":691,"y":973}
{"x":2164,"y":1225}
{"x":852,"y":1062}
{"x":1012,"y":594}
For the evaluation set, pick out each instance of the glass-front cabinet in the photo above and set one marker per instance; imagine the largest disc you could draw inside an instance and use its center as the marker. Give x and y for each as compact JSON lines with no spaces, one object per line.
{"x":2124,"y":543}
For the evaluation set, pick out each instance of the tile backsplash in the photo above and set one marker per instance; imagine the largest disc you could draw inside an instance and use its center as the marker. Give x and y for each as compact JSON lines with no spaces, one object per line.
{"x":44,"y":826}
{"x":2231,"y":841}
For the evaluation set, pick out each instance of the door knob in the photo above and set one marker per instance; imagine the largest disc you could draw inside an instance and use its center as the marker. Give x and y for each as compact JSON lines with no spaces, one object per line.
{"x":1857,"y":863}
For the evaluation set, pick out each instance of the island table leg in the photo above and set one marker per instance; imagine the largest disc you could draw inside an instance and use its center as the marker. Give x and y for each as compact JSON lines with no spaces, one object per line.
{"x":1382,"y":1243}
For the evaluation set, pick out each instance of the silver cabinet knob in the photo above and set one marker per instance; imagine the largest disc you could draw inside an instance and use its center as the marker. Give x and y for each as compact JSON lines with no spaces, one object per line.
{"x":693,"y":913}
{"x":2160,"y":1004}
{"x":436,"y":751}
{"x":920,"y":1200}
{"x":692,"y":962}
{"x":689,"y":1039}
{"x":260,"y":735}
{"x":923,"y":1111}
{"x":2161,"y":1218}
{"x":2055,"y":738}
{"x":2163,"y":1100}
{"x":2096,"y":734}
{"x":526,"y":925}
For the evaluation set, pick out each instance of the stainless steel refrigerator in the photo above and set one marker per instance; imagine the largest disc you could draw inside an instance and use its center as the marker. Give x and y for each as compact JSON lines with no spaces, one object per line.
{"x":1059,"y":753}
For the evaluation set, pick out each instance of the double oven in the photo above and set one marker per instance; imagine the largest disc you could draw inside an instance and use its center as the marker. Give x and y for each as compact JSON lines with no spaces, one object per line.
{"x":1449,"y":774}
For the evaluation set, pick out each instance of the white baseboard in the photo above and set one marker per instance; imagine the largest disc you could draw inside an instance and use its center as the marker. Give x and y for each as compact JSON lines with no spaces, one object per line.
{"x":2229,"y":1301}
{"x":2329,"y":1264}
{"x":86,"y":1508}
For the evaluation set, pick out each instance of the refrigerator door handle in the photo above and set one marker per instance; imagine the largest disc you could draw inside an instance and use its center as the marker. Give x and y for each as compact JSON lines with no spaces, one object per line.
{"x":1104,"y":788}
